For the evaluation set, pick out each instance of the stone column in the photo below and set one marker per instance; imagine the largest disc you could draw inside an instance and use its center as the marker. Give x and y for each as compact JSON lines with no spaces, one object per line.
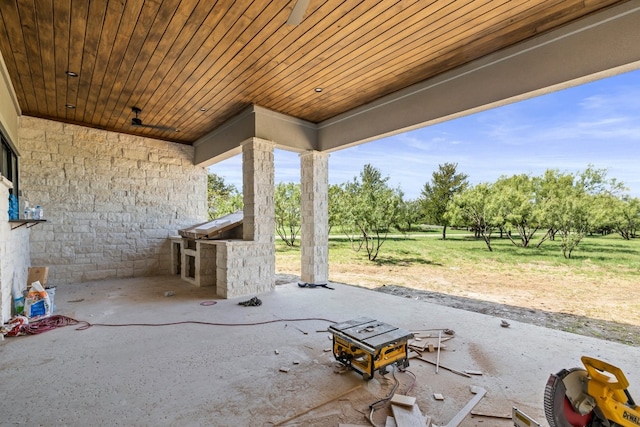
{"x":315,"y":217}
{"x":258,"y":191}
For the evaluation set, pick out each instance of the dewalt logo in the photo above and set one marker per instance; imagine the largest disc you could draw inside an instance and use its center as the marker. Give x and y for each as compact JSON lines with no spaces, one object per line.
{"x":631,"y":417}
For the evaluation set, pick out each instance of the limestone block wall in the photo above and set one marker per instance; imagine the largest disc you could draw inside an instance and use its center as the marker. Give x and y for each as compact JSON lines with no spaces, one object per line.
{"x":14,"y":254}
{"x":111,"y":200}
{"x":244,"y":268}
{"x":314,"y":233}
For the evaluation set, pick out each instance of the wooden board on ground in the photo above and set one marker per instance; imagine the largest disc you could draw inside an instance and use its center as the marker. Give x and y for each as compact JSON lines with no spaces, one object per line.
{"x":391,"y":422}
{"x":213,"y":229}
{"x":408,"y":417}
{"x":401,"y":399}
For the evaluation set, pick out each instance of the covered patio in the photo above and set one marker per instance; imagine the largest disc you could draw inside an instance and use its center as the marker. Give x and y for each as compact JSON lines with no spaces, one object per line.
{"x":114,"y":110}
{"x":212,"y":375}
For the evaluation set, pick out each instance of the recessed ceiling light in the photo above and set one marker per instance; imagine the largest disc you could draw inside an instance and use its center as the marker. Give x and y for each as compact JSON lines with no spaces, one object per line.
{"x":70,"y":106}
{"x":318,"y":89}
{"x":71,"y":73}
{"x":203,"y":109}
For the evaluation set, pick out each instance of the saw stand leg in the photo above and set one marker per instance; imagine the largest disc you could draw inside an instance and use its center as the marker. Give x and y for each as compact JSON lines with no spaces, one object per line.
{"x":479,"y":394}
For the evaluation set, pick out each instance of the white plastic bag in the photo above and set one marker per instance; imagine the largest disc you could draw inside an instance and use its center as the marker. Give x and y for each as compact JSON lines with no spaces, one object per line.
{"x":37,"y":304}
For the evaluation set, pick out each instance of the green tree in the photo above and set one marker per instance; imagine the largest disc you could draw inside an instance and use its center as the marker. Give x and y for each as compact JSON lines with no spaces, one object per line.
{"x":514,"y":199}
{"x":409,"y":214}
{"x":222,"y":198}
{"x":551,"y":186}
{"x":625,"y":216}
{"x":473,"y":208}
{"x":436,"y":195}
{"x":573,"y":205}
{"x":336,"y":208}
{"x":370,"y":209}
{"x":287,"y":212}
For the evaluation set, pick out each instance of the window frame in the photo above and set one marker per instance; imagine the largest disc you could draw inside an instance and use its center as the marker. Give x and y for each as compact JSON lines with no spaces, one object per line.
{"x":9,"y":163}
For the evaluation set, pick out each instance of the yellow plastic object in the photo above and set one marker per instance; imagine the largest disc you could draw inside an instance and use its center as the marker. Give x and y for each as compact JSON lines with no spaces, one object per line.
{"x":607,"y":384}
{"x":367,"y":345}
{"x":367,"y":360}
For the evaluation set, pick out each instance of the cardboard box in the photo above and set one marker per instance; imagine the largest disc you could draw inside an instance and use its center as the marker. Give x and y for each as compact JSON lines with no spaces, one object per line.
{"x":37,"y":274}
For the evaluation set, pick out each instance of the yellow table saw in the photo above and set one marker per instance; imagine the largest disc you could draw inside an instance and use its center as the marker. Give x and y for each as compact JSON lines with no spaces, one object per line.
{"x":367,"y":345}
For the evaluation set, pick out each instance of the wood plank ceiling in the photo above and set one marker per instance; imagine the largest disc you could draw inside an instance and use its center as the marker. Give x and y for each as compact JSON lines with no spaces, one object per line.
{"x":192,"y":64}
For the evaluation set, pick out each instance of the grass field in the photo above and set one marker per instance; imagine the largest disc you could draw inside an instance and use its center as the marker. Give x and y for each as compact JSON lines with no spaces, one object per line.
{"x":600,"y":281}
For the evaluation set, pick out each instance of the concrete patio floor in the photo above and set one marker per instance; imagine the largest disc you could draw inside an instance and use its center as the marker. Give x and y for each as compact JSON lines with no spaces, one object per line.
{"x":204,"y":375}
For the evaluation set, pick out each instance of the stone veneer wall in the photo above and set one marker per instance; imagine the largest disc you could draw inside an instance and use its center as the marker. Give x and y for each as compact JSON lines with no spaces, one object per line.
{"x":14,"y":254}
{"x":248,"y":266}
{"x":111,"y":200}
{"x":314,"y":233}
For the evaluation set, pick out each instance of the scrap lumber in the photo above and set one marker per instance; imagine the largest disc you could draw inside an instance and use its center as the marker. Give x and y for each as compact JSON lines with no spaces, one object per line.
{"x":299,"y":414}
{"x":214,"y":228}
{"x":422,"y":343}
{"x":500,"y":417}
{"x":438,"y":356}
{"x":479,"y":393}
{"x":400,"y":399}
{"x":455,"y":371}
{"x":408,"y":417}
{"x":391,"y":422}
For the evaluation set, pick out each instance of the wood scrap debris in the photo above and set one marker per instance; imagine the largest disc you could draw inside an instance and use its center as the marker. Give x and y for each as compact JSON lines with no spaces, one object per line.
{"x":438,"y":396}
{"x":391,"y":422}
{"x":455,"y":371}
{"x":400,"y":399}
{"x":501,"y":417}
{"x":408,"y":416}
{"x":430,"y":340}
{"x":479,"y":393}
{"x":285,"y":370}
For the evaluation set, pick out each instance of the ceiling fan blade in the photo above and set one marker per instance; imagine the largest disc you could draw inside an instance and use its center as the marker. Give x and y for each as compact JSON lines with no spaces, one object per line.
{"x":298,"y":11}
{"x":172,"y":129}
{"x":137,"y":122}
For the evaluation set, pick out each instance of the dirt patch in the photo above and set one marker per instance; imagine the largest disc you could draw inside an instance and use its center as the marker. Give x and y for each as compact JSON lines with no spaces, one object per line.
{"x":575,"y":323}
{"x":610,"y":331}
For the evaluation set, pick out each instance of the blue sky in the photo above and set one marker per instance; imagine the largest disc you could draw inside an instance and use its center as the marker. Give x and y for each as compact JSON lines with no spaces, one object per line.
{"x":596,"y":123}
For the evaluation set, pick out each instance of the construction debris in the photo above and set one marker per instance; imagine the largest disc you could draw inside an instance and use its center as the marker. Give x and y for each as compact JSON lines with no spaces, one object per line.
{"x":285,"y":370}
{"x":253,"y":302}
{"x":438,"y":356}
{"x":455,"y":371}
{"x":479,"y":394}
{"x":408,"y":416}
{"x":438,"y":396}
{"x":500,"y":417}
{"x":400,"y":399}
